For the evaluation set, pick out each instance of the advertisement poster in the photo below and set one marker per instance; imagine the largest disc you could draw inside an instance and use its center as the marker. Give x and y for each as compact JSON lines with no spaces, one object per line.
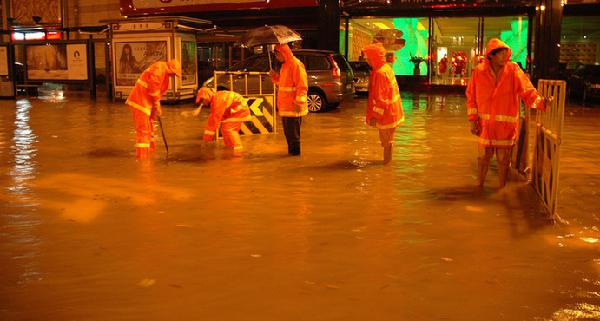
{"x":47,"y":62}
{"x":57,"y":62}
{"x":134,"y":57}
{"x":3,"y":61}
{"x":188,"y":62}
{"x":144,"y":4}
{"x":77,"y":62}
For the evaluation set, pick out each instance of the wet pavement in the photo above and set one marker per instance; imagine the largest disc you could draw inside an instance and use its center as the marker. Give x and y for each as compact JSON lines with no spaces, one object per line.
{"x":88,"y":233}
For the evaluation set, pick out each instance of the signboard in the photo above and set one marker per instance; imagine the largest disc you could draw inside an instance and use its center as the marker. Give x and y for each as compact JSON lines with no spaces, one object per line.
{"x":436,"y":3}
{"x":147,"y":4}
{"x":144,"y":7}
{"x":134,"y":57}
{"x":188,"y":62}
{"x":56,"y":62}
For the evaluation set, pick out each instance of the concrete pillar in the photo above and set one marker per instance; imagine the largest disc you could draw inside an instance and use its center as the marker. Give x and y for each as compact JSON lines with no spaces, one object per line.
{"x":548,"y":20}
{"x":329,"y":25}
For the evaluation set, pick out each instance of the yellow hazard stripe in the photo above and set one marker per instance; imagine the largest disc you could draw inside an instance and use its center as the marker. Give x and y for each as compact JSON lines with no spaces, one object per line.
{"x":270,"y":119}
{"x":392,"y":125}
{"x":259,"y":125}
{"x":293,"y":113}
{"x":287,"y":89}
{"x":378,"y":110}
{"x":504,"y":118}
{"x":245,"y":130}
{"x":238,"y":119}
{"x":142,"y":83}
{"x":145,"y":110}
{"x":142,"y":145}
{"x":255,"y":107}
{"x":484,"y":141}
{"x":472,"y":111}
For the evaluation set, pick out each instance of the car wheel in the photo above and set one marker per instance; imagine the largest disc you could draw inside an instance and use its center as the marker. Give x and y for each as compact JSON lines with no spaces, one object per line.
{"x":316,"y":101}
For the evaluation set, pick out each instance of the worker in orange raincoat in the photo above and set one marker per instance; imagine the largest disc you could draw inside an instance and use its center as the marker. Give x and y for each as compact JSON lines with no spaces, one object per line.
{"x":493,"y":106}
{"x":292,"y":88}
{"x":144,"y":102}
{"x":384,"y":105}
{"x":228,"y":109}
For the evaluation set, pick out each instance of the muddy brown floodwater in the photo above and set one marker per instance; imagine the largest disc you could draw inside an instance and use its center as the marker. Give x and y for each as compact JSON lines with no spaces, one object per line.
{"x":88,"y":233}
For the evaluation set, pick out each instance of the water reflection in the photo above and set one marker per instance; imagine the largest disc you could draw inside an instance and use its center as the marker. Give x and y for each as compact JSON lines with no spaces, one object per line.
{"x":20,"y":212}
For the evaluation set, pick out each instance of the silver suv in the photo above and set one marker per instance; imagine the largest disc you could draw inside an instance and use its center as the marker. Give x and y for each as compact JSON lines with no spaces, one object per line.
{"x":330,"y":77}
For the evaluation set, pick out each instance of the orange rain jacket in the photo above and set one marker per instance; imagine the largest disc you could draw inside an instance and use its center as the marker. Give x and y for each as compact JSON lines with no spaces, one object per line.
{"x":225,"y":106}
{"x":496,"y":105}
{"x":384,"y":102}
{"x":152,"y":84}
{"x":292,"y":85}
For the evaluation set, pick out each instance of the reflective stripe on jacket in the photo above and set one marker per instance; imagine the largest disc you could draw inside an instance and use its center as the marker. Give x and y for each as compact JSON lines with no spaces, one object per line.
{"x":384,"y":102}
{"x":226,"y":106}
{"x":149,"y":87}
{"x":292,"y":85}
{"x":495,"y":104}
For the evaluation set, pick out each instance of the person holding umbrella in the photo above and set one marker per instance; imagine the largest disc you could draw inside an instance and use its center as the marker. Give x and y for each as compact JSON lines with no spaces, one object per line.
{"x":292,"y":100}
{"x":292,"y":88}
{"x":144,"y":102}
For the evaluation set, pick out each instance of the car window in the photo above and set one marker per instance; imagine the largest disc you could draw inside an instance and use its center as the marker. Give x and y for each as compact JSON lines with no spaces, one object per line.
{"x":360,"y":66}
{"x":341,"y":62}
{"x":316,"y":62}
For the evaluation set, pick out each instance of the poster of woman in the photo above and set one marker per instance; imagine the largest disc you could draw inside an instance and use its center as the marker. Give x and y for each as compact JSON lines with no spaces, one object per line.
{"x":133,"y":57}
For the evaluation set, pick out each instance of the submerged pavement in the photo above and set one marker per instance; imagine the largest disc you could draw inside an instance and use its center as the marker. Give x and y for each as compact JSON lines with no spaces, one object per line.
{"x":88,"y":233}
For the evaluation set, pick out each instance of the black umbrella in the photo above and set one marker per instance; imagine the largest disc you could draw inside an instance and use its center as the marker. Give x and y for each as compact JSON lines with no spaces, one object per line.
{"x":267,"y":35}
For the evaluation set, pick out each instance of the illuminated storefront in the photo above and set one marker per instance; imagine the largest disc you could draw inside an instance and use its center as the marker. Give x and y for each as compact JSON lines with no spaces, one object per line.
{"x":439,"y":47}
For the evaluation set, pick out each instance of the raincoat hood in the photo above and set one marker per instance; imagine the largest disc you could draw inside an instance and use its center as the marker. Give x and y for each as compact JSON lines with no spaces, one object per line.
{"x":205,"y":93}
{"x":174,"y":67}
{"x":494,"y":44}
{"x":285,"y":51}
{"x":375,"y":55}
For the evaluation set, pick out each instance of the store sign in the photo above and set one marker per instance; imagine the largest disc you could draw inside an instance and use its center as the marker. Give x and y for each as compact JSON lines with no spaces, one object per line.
{"x":149,"y":4}
{"x":437,"y":3}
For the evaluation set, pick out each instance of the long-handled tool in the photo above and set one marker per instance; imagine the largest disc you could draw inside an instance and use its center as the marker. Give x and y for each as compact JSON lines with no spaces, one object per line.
{"x":162,"y":131}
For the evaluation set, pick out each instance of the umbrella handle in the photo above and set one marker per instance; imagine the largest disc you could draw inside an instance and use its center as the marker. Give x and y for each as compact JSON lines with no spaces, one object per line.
{"x":269,"y":55}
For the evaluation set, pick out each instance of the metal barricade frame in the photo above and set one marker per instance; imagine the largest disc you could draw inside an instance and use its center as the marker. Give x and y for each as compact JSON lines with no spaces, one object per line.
{"x":261,"y":102}
{"x":548,"y":138}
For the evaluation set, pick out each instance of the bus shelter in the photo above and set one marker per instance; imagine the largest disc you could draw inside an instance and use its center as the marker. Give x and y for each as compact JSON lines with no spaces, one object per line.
{"x":136,"y":43}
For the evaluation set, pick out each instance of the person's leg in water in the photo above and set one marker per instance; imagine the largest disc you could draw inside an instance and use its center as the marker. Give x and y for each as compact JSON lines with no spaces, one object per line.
{"x":485,"y":155}
{"x":386,"y":136}
{"x":231,"y":137}
{"x":143,"y":134}
{"x":291,"y":129}
{"x":503,"y":155}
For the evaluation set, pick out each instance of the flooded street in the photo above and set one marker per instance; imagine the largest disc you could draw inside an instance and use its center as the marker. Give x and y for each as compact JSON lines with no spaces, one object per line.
{"x":88,"y":233}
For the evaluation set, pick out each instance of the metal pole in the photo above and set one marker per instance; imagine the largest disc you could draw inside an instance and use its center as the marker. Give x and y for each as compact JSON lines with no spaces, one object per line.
{"x":92,"y":66}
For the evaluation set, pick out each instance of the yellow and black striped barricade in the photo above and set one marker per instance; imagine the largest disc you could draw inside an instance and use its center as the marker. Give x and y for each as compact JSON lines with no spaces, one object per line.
{"x":259,"y":92}
{"x":548,"y":133}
